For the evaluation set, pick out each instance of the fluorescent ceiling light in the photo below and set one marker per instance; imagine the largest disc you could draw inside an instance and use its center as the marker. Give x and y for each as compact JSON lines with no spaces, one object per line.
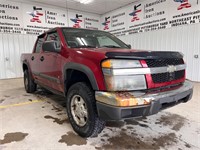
{"x":85,"y":1}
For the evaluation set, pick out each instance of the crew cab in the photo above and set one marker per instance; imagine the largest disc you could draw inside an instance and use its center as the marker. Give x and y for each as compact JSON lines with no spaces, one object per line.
{"x":104,"y":79}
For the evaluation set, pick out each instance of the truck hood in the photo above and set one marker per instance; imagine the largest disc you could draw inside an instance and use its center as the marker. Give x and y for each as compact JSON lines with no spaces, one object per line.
{"x":145,"y":55}
{"x":129,"y":53}
{"x":106,"y":50}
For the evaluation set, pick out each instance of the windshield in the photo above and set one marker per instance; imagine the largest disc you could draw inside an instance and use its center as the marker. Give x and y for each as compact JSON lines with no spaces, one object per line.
{"x":79,"y":38}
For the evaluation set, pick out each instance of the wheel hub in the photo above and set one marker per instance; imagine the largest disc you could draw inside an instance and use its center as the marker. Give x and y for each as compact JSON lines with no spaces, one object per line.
{"x":79,"y":110}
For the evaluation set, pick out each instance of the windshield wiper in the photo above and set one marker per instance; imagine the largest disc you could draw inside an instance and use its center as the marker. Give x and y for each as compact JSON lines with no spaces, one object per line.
{"x":111,"y":46}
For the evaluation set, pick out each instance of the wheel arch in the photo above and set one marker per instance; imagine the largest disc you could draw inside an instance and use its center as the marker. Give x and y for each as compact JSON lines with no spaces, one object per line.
{"x":85,"y":71}
{"x":25,"y":66}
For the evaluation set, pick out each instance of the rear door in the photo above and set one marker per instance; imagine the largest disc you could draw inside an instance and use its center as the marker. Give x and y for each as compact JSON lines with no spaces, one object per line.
{"x":34,"y":59}
{"x":50,"y":65}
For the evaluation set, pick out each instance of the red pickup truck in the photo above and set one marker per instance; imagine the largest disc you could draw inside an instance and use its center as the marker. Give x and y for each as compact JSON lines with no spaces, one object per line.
{"x":104,"y":79}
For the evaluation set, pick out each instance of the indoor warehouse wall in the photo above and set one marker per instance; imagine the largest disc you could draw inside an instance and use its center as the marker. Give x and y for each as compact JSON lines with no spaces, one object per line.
{"x":11,"y":48}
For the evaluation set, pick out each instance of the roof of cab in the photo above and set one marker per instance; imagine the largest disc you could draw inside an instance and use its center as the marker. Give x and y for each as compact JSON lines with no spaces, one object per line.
{"x":55,"y":29}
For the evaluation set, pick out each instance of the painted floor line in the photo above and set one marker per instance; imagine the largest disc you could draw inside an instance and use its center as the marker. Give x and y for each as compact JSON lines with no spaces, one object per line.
{"x":21,"y":104}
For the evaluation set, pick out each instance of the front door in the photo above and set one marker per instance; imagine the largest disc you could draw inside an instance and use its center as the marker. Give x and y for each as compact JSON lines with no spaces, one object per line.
{"x":50,"y":65}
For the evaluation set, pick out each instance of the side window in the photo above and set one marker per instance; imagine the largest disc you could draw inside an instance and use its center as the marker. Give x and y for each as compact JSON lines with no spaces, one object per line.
{"x":53,"y":37}
{"x":39,"y":44}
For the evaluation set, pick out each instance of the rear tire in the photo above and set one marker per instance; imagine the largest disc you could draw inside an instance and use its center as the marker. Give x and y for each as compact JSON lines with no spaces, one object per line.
{"x":82,"y":112}
{"x":29,"y":84}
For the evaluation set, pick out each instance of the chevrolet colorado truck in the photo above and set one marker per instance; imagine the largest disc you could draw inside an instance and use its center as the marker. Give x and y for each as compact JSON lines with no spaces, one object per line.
{"x":104,"y":79}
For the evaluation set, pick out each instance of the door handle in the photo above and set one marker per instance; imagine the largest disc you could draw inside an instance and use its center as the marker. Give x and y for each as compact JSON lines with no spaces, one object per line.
{"x":42,"y":58}
{"x":32,"y":58}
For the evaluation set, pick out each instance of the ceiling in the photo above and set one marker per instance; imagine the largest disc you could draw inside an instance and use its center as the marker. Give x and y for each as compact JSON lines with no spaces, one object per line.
{"x":97,"y":6}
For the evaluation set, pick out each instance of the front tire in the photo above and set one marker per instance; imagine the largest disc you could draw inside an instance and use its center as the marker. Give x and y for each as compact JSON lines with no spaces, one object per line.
{"x":82,"y":112}
{"x":29,"y":84}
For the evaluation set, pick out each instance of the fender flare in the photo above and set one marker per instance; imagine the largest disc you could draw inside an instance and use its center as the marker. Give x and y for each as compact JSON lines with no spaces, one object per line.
{"x":86,"y":70}
{"x":25,"y":63}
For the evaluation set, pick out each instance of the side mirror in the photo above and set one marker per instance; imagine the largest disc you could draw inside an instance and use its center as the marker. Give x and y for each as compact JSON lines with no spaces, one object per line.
{"x":129,"y":46}
{"x":51,"y":46}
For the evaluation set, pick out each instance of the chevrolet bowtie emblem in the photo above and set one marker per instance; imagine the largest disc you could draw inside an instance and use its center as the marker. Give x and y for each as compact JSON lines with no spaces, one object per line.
{"x":171,"y":68}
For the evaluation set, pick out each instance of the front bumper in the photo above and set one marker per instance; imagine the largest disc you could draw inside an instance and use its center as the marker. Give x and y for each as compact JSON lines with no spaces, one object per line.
{"x":143,"y":104}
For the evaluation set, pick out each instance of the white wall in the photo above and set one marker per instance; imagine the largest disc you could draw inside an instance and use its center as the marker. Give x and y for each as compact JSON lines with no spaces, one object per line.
{"x":11,"y":48}
{"x":185,"y":39}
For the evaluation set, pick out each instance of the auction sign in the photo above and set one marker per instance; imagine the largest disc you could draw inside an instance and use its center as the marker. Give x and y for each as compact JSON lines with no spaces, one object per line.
{"x":37,"y":19}
{"x":11,"y":20}
{"x":79,"y":19}
{"x":151,"y":15}
{"x":115,"y":22}
{"x":21,"y":18}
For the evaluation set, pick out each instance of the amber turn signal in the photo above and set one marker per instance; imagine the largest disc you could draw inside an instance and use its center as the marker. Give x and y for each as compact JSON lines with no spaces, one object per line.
{"x":106,"y":64}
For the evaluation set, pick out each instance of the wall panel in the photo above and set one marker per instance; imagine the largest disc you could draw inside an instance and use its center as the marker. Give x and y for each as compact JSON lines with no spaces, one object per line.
{"x":2,"y":57}
{"x":12,"y":46}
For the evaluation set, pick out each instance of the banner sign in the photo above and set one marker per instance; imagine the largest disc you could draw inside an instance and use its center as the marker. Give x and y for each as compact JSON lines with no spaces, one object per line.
{"x":83,"y":20}
{"x":37,"y":19}
{"x":34,"y":19}
{"x":11,"y":20}
{"x":144,"y":16}
{"x":141,"y":16}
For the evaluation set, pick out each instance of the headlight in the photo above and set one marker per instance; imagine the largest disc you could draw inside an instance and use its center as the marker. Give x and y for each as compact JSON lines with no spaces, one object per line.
{"x":122,"y":82}
{"x":117,"y":64}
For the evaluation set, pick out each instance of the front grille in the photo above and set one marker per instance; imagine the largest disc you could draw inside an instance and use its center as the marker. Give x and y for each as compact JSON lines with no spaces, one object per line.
{"x":166,"y":77}
{"x":164,"y":62}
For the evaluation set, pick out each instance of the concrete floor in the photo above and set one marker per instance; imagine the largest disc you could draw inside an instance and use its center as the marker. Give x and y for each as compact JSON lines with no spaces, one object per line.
{"x":38,"y":121}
